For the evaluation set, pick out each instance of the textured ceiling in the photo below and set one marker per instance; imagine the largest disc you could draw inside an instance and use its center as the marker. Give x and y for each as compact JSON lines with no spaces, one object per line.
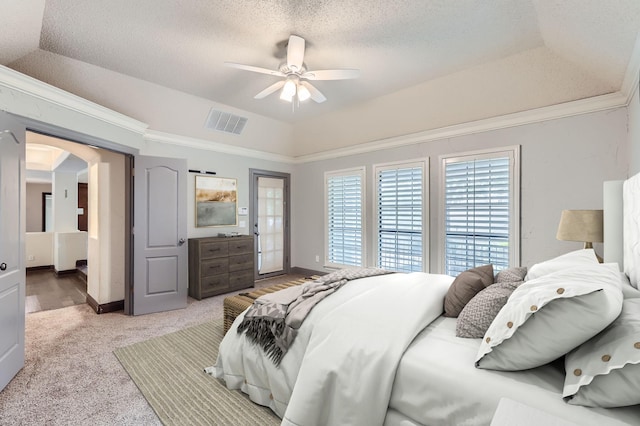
{"x":182,"y":44}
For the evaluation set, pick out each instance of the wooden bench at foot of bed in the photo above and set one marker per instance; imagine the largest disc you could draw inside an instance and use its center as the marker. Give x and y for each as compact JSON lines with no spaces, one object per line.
{"x":235,"y":305}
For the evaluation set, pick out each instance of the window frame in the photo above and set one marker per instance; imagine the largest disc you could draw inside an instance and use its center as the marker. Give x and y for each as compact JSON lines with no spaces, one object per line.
{"x":513,"y":152}
{"x":361,"y":171}
{"x":404,"y":164}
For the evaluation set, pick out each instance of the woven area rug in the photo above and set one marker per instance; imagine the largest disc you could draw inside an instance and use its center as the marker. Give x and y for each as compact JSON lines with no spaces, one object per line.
{"x":168,"y":370}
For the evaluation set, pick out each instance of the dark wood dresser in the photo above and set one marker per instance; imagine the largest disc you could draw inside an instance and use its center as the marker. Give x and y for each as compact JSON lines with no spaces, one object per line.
{"x":219,"y":265}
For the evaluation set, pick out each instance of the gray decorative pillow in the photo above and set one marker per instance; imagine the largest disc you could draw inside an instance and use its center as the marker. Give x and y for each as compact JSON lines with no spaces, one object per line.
{"x":511,"y":275}
{"x":479,"y":313}
{"x":464,"y":287}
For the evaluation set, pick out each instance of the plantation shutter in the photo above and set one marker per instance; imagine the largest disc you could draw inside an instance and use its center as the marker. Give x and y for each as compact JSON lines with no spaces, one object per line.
{"x":344,"y":219}
{"x":477,"y":213}
{"x":400,"y":219}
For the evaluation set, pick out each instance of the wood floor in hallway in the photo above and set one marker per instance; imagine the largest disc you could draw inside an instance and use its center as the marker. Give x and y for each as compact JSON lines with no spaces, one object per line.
{"x":46,"y":291}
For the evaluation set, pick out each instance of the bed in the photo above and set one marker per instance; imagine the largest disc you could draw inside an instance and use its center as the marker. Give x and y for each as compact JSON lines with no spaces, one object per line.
{"x":380,"y":351}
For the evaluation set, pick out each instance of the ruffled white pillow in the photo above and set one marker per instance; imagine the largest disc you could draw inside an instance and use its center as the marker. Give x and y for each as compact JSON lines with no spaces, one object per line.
{"x":605,"y":371}
{"x":560,"y":263}
{"x":546,"y":317}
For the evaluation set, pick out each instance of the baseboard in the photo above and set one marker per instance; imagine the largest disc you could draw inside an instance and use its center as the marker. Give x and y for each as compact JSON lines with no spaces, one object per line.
{"x":306,"y":272}
{"x":105,"y":308}
{"x":39,"y":268}
{"x":66,"y":272}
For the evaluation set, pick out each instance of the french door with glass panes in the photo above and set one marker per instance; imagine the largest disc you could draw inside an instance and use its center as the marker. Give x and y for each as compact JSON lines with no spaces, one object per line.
{"x":271,"y":224}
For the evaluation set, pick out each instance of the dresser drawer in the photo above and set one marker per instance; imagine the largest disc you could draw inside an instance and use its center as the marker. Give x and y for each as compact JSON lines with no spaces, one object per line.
{"x":214,"y":266}
{"x":219,"y":265}
{"x":240,"y":246}
{"x":214,"y":284}
{"x":214,"y":249}
{"x":241,"y":262}
{"x":242,"y":279}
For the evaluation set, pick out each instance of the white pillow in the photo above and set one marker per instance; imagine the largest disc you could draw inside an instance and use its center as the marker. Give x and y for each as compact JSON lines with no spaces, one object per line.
{"x":567,"y":260}
{"x":605,"y":371}
{"x":628,"y":291}
{"x":546,"y":317}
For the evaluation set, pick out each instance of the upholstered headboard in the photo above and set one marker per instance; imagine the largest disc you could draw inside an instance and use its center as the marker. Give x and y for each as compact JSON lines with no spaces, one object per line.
{"x":613,"y":218}
{"x":622,"y":226}
{"x":631,"y":229}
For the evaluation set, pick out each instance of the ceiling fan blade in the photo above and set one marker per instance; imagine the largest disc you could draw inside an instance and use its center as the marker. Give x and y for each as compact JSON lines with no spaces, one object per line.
{"x":316,"y":95}
{"x":269,"y":90}
{"x":255,"y":69}
{"x":295,"y":53}
{"x":344,"y":74}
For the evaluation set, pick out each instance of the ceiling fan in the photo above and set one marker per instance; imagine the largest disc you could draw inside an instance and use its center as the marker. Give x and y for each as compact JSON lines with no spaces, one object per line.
{"x":295,"y":84}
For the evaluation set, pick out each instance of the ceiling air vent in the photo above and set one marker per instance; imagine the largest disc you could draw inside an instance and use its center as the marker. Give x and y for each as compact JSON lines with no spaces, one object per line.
{"x":225,"y":122}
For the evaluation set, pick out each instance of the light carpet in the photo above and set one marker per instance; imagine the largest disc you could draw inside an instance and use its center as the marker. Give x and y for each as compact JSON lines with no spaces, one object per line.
{"x":71,"y":376}
{"x":168,"y":370}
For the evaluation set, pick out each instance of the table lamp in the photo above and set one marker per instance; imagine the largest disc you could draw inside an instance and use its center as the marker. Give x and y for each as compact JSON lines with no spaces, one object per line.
{"x":581,"y":225}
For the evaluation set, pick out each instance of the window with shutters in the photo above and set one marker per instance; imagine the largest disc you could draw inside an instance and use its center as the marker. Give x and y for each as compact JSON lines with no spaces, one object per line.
{"x":344,"y":218}
{"x":481,"y":203}
{"x":401,"y":212}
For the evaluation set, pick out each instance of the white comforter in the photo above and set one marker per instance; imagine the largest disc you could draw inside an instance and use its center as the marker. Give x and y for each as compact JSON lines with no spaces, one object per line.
{"x":341,"y":367}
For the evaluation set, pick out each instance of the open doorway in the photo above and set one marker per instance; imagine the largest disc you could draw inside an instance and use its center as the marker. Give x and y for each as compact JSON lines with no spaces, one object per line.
{"x":67,"y":183}
{"x":55,"y":244}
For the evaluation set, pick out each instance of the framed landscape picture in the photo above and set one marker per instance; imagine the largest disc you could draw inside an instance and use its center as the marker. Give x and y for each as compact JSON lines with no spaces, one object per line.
{"x":216,"y":201}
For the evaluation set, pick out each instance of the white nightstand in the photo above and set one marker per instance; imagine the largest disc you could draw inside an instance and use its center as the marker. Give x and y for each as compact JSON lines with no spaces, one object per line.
{"x":514,"y":413}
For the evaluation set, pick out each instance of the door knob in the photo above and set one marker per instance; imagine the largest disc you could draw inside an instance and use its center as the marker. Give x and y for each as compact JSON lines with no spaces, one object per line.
{"x":3,"y":266}
{"x":181,"y":241}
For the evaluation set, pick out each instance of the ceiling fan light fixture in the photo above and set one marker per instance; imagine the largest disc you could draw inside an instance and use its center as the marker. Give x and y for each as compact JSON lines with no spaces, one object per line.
{"x":284,"y":97}
{"x":295,"y":84}
{"x":303,"y":93}
{"x":288,"y":90}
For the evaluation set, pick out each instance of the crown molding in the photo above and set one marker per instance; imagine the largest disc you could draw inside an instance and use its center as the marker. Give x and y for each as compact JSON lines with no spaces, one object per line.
{"x":567,"y":109}
{"x":14,"y":80}
{"x":631,"y":76}
{"x":168,"y":138}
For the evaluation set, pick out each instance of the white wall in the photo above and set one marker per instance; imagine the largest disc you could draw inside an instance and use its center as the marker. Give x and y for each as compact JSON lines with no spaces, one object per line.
{"x":38,"y":249}
{"x":65,"y":201}
{"x":69,"y":247}
{"x":634,"y":133}
{"x":107,"y":232}
{"x":563,"y":165}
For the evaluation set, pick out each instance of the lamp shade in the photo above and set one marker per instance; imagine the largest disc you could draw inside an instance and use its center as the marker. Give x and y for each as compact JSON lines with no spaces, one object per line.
{"x":581,"y":225}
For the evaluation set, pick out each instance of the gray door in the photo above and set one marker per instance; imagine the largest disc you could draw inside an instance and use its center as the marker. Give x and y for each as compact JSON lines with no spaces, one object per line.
{"x":160,"y":232}
{"x":270,"y":216}
{"x":12,"y":230}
